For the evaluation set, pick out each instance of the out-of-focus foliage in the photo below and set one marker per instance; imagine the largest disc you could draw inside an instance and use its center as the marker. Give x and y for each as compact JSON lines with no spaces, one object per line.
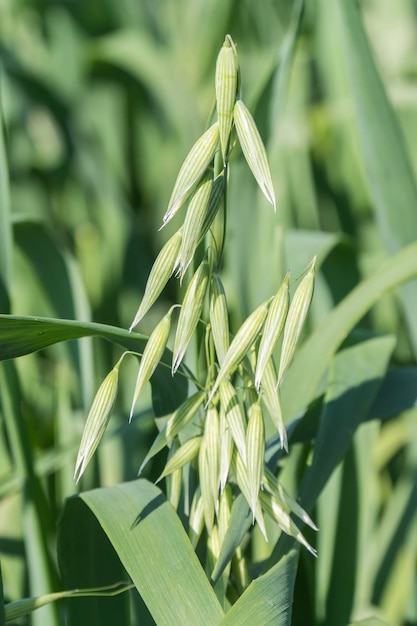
{"x":100,"y":102}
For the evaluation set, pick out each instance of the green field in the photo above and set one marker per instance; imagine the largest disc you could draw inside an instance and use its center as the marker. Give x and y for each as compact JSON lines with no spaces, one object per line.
{"x":262,"y":384}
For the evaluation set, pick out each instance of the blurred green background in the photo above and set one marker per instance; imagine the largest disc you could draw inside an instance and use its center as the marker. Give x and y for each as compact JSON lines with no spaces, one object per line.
{"x":101,"y":101}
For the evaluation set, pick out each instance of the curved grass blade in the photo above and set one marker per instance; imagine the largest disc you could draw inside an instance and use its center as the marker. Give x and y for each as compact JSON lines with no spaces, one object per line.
{"x":20,"y":335}
{"x":24,"y":335}
{"x":19,"y":608}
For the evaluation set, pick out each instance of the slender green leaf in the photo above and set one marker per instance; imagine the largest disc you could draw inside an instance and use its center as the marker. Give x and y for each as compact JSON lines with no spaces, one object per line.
{"x":370,"y":621}
{"x":23,"y":335}
{"x":20,"y":608}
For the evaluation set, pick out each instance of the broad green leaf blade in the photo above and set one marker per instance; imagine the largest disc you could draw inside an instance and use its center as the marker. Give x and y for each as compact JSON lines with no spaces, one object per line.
{"x":396,"y":537}
{"x":354,"y":380}
{"x":388,"y":166}
{"x":268,"y":599}
{"x":80,"y":534}
{"x":23,"y":335}
{"x":151,"y":543}
{"x":398,"y":393}
{"x":312,"y":360}
{"x":345,"y":548}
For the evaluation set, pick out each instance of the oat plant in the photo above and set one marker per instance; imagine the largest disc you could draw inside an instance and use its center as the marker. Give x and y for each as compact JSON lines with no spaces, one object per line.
{"x":243,"y":424}
{"x":216,"y":437}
